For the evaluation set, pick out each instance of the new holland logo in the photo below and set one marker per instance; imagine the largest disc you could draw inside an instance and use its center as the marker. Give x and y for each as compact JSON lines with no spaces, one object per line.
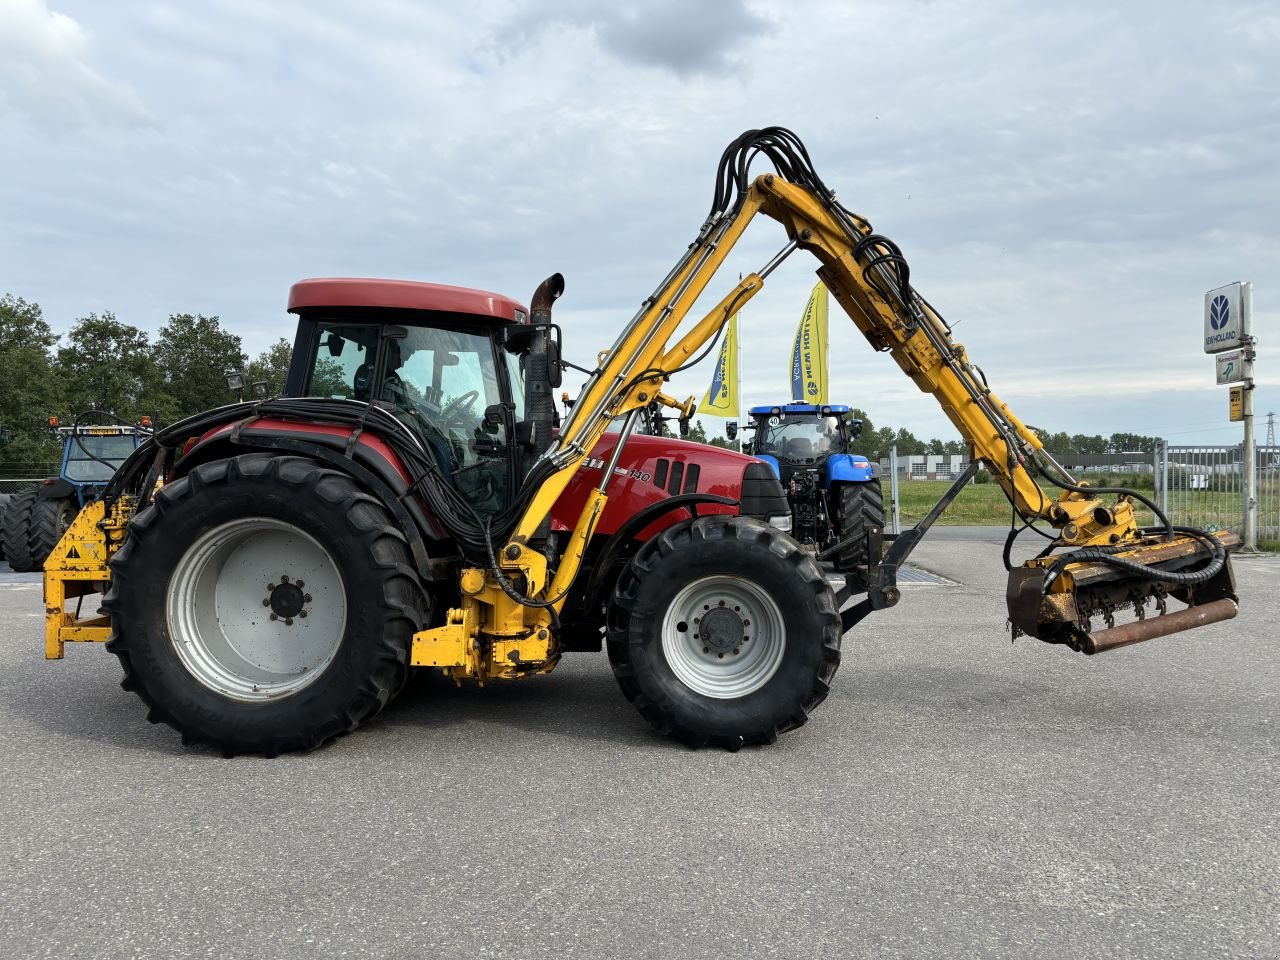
{"x":1219,"y":312}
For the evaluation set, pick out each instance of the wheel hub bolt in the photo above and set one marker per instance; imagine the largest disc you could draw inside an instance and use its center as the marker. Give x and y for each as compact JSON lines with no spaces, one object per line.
{"x":721,"y":632}
{"x":286,"y":600}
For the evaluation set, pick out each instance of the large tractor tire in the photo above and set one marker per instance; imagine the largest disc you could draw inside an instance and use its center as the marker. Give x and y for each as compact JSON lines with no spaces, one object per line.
{"x":4,"y":506}
{"x":33,"y":525}
{"x":724,"y":632}
{"x":859,"y":512}
{"x":264,"y":604}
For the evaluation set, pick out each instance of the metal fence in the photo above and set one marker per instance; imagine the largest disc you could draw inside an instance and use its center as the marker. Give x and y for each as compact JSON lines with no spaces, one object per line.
{"x":1203,"y":486}
{"x":1199,"y":486}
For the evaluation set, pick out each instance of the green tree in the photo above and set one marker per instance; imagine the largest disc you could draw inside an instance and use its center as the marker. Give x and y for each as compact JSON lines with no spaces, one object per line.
{"x":1130,"y":443}
{"x":1086,"y":444}
{"x":907,"y":443}
{"x":107,"y":365}
{"x":271,"y":367}
{"x":193,"y":354}
{"x":1058,"y":443}
{"x":697,"y":433}
{"x":30,"y":388}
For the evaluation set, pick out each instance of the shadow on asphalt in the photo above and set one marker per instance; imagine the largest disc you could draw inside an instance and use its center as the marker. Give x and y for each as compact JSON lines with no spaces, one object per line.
{"x":568,"y":703}
{"x":90,"y":705}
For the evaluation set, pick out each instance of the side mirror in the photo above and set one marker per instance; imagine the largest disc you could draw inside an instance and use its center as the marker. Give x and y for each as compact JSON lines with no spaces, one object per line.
{"x":684,"y":426}
{"x":493,"y":417}
{"x":731,"y":429}
{"x":555,"y":372}
{"x":334,"y":344}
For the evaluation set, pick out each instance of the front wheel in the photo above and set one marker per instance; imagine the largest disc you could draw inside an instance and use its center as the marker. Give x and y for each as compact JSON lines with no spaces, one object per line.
{"x":724,"y":632}
{"x":264,"y":604}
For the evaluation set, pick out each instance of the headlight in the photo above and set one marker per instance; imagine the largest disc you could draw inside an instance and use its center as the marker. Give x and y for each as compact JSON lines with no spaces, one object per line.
{"x":781,"y":522}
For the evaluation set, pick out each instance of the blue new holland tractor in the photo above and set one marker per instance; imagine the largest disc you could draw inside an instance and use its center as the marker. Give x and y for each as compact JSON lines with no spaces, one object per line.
{"x":836,"y":505}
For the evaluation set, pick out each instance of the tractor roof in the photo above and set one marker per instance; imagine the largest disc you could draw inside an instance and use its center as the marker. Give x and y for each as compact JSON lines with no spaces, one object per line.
{"x":825,"y":408}
{"x":326,"y":292}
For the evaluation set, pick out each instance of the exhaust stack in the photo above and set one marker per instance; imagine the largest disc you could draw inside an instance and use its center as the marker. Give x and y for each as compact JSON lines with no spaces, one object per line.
{"x":541,"y":367}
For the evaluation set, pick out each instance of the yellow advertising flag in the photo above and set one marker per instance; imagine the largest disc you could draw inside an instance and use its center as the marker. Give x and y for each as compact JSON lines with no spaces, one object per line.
{"x":809,"y":354}
{"x":721,"y":398}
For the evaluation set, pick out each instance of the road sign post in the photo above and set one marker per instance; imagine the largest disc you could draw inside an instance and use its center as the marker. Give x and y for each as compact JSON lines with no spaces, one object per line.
{"x":1250,"y":464}
{"x":1229,"y":336}
{"x":1228,"y":333}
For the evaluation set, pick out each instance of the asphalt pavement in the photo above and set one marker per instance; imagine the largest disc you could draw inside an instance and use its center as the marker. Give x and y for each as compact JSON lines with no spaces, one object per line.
{"x":957,"y":795}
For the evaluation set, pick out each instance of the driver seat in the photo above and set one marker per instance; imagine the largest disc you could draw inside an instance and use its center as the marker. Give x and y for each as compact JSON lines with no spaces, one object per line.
{"x":800,"y":448}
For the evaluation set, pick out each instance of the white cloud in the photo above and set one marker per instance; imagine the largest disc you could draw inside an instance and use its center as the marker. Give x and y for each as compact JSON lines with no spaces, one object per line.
{"x":45,"y":71}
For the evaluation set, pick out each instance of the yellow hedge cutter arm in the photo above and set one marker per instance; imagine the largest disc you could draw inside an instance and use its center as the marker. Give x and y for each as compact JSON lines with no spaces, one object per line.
{"x":1110,"y":561}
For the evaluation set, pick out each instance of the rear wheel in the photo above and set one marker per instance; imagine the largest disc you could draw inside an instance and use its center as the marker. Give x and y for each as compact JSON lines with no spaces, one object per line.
{"x":264,"y":604}
{"x":49,"y":521}
{"x":859,"y":514}
{"x":32,"y":527}
{"x":724,"y":632}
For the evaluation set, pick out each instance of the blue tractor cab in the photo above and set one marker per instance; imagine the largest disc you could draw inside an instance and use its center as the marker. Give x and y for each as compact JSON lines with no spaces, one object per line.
{"x":35,"y":519}
{"x":836,"y":504}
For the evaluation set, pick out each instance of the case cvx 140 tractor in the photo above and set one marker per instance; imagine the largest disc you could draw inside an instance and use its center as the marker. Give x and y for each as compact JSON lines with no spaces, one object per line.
{"x":268,"y":573}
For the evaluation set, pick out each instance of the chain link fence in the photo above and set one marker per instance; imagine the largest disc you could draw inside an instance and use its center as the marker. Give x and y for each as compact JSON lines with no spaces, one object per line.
{"x":15,"y":477}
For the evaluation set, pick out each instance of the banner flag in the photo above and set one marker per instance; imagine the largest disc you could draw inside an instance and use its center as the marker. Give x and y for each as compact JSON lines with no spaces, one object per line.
{"x":809,"y":354}
{"x":721,"y":399}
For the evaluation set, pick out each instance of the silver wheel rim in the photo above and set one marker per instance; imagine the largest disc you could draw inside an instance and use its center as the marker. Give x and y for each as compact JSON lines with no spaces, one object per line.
{"x":723,"y":664}
{"x":222,"y":597}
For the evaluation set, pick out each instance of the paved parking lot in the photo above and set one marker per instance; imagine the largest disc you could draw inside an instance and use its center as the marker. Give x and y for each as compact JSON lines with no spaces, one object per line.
{"x":957,"y":795}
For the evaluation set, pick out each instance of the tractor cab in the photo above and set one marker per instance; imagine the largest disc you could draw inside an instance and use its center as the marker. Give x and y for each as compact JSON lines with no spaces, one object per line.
{"x":448,"y":362}
{"x":92,"y":454}
{"x":802,"y":435}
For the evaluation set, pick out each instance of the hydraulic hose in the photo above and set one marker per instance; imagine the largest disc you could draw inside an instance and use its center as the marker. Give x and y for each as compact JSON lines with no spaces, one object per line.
{"x":1105,"y":555}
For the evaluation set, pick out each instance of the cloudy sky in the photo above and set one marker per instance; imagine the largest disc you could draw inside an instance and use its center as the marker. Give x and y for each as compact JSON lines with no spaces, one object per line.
{"x":1067,"y":180}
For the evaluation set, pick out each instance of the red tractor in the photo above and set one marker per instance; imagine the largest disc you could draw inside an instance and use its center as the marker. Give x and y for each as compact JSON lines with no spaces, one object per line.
{"x":268,"y":598}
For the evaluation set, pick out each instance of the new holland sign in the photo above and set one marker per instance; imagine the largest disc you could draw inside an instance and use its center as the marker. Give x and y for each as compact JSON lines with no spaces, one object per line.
{"x":1223,"y":316}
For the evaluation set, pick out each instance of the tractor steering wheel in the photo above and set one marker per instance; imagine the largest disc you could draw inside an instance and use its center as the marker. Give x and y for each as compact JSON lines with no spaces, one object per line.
{"x":455,"y":408}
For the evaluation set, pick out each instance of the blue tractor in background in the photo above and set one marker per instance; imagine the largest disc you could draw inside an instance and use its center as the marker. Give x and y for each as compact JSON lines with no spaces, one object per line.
{"x":837,"y":508}
{"x":35,"y":519}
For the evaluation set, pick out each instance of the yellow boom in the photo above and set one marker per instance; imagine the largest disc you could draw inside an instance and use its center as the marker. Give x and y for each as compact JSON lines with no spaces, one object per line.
{"x":866,"y":274}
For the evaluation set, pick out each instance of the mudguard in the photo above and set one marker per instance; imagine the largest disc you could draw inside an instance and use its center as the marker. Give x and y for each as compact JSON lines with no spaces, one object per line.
{"x":772,"y":461}
{"x":846,"y":468}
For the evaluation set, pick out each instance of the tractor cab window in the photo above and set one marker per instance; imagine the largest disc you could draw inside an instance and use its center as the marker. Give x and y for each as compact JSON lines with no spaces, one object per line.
{"x":343,"y":368}
{"x":800,"y":439}
{"x":441,"y":382}
{"x":93,"y":459}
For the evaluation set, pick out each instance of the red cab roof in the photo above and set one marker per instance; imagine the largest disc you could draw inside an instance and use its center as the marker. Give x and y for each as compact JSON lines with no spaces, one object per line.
{"x":403,"y":295}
